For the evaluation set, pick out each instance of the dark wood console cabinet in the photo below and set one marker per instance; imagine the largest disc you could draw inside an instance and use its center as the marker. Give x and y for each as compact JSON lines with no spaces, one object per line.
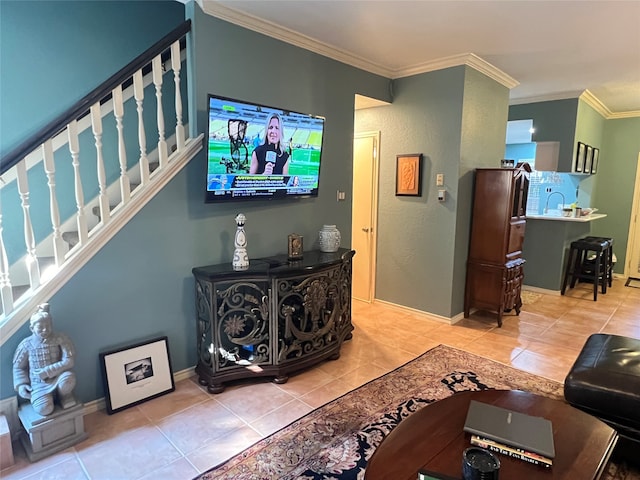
{"x":495,"y":264}
{"x":274,"y":318}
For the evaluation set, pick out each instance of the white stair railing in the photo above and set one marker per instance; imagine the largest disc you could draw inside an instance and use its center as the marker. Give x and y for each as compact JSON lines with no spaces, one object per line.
{"x":22,"y":284}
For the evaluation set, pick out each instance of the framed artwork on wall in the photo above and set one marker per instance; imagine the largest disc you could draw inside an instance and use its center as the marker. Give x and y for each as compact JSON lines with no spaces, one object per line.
{"x":409,"y":174}
{"x":580,"y":157}
{"x":594,"y":162}
{"x":588,"y":159}
{"x":137,"y":373}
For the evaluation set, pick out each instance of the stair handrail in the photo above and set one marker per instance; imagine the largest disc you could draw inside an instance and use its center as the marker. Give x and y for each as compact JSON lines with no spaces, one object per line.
{"x":98,"y":94}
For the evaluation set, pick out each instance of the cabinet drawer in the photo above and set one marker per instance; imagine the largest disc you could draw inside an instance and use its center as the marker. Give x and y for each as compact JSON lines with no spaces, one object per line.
{"x":513,"y":277}
{"x":516,"y":238}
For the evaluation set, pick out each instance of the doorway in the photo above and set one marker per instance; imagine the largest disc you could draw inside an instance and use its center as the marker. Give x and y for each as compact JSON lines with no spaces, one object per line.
{"x":632,"y":268}
{"x":364,"y":212}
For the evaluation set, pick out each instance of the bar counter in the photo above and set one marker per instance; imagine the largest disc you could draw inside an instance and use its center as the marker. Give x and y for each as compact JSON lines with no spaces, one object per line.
{"x":546,"y":245}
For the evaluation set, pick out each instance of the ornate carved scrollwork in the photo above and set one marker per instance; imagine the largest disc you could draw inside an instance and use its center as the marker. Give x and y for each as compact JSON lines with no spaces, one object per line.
{"x":311,"y":313}
{"x":271,"y":320}
{"x":242,"y":324}
{"x":203,"y":311}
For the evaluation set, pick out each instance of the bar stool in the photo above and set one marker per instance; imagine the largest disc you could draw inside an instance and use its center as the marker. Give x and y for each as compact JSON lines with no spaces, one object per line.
{"x":577,"y":270}
{"x":611,"y":260}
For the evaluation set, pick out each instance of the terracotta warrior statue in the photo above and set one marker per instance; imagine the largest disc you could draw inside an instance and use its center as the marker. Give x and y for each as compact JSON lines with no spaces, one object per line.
{"x":42,"y":366}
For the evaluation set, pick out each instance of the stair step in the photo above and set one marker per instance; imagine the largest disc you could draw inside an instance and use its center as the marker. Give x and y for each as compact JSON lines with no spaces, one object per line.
{"x":19,"y":290}
{"x":72,"y":238}
{"x":96,"y":210}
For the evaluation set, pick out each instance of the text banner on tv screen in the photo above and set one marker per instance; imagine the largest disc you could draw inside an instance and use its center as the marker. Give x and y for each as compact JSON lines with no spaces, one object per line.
{"x":260,"y":152}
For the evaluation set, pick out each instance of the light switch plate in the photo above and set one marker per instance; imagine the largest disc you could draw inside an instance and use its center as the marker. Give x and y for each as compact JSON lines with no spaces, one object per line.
{"x":440,"y":179}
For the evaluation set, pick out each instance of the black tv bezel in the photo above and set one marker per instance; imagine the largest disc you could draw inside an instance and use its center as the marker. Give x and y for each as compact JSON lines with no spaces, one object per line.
{"x":211,"y":197}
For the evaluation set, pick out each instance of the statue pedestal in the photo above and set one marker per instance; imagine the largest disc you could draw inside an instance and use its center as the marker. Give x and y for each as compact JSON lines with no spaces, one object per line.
{"x":44,"y":436}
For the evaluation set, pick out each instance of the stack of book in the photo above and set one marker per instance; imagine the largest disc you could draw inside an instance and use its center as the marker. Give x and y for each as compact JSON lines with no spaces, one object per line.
{"x":525,"y":437}
{"x":514,"y":452}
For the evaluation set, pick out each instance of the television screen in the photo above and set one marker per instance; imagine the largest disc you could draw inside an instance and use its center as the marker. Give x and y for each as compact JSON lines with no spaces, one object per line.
{"x":260,"y":152}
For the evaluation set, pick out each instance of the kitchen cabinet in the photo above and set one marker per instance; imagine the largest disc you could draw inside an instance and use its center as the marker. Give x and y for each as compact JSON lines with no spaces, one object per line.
{"x":547,"y":154}
{"x":495,"y":267}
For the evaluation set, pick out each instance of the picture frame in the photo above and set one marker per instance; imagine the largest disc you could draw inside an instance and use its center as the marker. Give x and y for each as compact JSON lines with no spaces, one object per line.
{"x":581,"y":152}
{"x":295,"y":246}
{"x":409,"y":174}
{"x":136,"y":373}
{"x":594,"y":162}
{"x":588,"y":159}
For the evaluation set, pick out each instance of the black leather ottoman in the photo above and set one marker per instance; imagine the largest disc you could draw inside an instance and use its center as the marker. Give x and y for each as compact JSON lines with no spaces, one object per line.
{"x":605,"y":382}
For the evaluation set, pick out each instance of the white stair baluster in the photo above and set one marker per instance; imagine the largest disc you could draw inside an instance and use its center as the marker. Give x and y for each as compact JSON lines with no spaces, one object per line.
{"x":157,"y":81}
{"x":96,"y":128}
{"x":176,"y":64}
{"x":29,"y":239}
{"x":50,"y":169}
{"x":5,"y":282}
{"x":118,"y":111}
{"x":74,"y":148}
{"x":138,"y":92}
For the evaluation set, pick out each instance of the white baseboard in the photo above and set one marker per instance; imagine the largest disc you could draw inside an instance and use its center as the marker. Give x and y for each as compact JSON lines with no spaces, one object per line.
{"x":546,"y":291}
{"x":100,"y":403}
{"x":9,"y":406}
{"x":432,"y":316}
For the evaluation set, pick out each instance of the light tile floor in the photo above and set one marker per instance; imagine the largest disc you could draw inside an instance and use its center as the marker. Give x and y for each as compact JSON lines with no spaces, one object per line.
{"x":178,"y":435}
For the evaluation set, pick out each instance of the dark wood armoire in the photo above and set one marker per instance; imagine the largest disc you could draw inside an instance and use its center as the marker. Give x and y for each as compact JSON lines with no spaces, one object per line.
{"x":495,"y":264}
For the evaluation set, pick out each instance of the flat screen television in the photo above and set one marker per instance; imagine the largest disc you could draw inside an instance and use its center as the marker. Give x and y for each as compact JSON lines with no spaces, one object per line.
{"x":260,"y":152}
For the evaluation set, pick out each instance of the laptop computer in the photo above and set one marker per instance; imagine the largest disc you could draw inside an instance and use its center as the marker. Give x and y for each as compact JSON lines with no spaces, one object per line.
{"x":527,"y":432}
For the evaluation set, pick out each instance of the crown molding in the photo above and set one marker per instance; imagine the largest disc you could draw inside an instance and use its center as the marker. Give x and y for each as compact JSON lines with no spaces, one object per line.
{"x":491,"y":71}
{"x":215,"y":9}
{"x":584,"y":95}
{"x":629,"y":114}
{"x":545,"y":98}
{"x":291,"y":37}
{"x":591,"y":100}
{"x":469,"y":59}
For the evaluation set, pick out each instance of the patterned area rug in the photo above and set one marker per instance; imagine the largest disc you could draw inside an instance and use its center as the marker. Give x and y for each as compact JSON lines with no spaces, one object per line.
{"x":336,"y":441}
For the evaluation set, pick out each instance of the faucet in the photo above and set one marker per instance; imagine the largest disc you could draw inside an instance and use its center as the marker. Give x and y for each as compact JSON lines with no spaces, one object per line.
{"x":546,"y":207}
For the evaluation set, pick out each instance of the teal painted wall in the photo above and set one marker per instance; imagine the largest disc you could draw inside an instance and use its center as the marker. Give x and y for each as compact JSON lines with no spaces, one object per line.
{"x":41,"y":37}
{"x":12,"y":215}
{"x":139,"y":285}
{"x":456,"y":118}
{"x":553,"y":121}
{"x":614,"y":187}
{"x":610,"y":189}
{"x":589,"y":125}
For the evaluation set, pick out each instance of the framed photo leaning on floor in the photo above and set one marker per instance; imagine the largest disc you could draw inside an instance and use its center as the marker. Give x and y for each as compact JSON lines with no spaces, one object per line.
{"x":136,"y":373}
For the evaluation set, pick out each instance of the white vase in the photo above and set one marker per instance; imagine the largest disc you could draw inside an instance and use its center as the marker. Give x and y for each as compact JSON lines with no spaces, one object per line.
{"x":329,"y":238}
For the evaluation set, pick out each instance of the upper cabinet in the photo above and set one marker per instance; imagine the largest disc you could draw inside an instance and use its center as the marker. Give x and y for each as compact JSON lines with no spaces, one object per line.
{"x":558,"y":126}
{"x":547,"y":156}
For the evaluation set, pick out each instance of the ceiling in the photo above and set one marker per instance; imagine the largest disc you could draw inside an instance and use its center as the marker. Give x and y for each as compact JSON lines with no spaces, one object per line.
{"x":540,"y":49}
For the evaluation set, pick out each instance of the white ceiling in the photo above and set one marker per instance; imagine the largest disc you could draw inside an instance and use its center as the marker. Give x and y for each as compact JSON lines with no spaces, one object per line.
{"x":541,"y":49}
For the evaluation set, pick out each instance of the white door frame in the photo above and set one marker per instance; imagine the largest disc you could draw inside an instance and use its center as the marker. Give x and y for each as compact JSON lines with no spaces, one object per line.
{"x":374,"y":207}
{"x":633,"y":241}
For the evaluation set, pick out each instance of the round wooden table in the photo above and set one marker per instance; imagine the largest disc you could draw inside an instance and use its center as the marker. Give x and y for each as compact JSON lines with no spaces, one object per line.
{"x":433,"y":439}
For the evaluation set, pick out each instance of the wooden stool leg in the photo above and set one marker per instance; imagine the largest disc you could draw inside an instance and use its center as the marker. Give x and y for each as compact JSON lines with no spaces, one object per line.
{"x":596,"y":277}
{"x":577,"y":267}
{"x":568,"y":271}
{"x":605,"y":270}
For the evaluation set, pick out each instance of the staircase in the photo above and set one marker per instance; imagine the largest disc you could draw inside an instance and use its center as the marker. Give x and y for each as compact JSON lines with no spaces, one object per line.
{"x":35,"y":265}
